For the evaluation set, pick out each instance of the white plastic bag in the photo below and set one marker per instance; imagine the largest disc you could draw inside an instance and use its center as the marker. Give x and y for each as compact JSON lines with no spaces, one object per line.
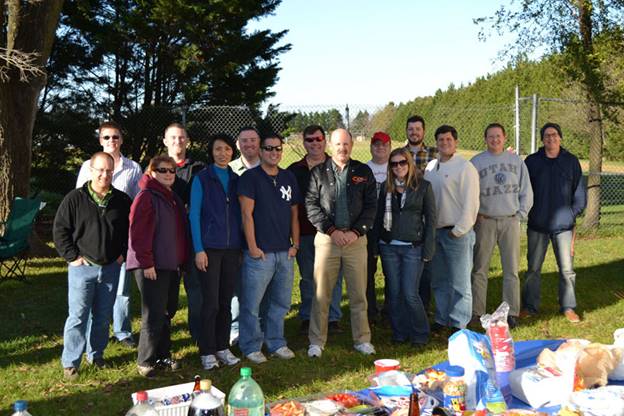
{"x":618,"y":342}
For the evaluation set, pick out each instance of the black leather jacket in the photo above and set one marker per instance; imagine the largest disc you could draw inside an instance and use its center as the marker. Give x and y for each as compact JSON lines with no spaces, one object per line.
{"x":361,"y":196}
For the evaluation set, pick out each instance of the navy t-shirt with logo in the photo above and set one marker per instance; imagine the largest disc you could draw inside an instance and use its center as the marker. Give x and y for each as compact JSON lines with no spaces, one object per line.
{"x":274,"y":196}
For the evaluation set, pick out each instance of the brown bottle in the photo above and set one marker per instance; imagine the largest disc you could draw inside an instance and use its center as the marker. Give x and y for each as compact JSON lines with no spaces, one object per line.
{"x":414,"y":406}
{"x":196,"y":388}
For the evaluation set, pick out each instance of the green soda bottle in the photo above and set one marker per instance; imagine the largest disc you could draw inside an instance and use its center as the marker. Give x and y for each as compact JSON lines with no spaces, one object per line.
{"x":246,"y":397}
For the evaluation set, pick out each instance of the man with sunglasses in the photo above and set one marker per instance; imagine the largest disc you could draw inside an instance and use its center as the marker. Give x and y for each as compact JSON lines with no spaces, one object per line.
{"x":314,"y":144}
{"x":268,"y":197}
{"x":126,"y":176}
{"x":341,"y":203}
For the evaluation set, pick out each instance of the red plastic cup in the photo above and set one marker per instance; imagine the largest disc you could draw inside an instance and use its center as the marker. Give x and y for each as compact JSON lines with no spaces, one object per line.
{"x":385,"y":364}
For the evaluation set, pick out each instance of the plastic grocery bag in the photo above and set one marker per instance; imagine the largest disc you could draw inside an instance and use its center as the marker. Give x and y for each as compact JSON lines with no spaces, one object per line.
{"x":618,"y":342}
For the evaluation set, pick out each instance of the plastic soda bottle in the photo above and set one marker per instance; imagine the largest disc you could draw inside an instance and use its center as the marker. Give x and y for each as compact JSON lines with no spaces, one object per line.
{"x":205,"y":403}
{"x":21,"y":408}
{"x":246,"y":397}
{"x":142,"y":408}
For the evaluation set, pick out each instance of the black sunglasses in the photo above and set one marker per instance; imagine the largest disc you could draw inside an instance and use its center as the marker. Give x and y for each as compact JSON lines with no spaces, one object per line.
{"x":271,"y":148}
{"x":313,"y":139}
{"x":165,"y":170}
{"x":114,"y":137}
{"x":398,"y":163}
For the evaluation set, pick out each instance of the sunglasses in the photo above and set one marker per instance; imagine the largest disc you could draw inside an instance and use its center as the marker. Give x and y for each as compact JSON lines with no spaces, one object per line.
{"x":398,"y":163}
{"x":313,"y":139}
{"x":114,"y":137}
{"x":271,"y":148}
{"x":165,"y":170}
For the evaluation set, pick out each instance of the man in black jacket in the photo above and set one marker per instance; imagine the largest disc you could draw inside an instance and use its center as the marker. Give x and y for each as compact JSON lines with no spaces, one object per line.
{"x":341,"y":203}
{"x":91,"y":234}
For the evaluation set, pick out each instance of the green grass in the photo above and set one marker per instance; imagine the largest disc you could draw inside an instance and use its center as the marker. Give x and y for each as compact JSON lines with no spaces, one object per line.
{"x":33,"y":315}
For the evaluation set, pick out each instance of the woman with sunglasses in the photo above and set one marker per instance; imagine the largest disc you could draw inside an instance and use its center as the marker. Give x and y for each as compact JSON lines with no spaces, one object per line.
{"x":215,"y":218}
{"x":405,"y":224}
{"x":157,"y":248}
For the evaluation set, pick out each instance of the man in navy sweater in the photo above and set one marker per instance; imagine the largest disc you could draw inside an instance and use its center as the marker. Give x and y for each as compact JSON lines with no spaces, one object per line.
{"x":559,"y":197}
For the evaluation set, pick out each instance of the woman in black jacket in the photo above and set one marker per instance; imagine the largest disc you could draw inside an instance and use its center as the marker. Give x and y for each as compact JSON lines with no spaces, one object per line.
{"x":405,"y":224}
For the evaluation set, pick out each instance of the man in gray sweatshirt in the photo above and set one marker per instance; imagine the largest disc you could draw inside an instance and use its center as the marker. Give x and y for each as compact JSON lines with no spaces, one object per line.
{"x":505,"y":198}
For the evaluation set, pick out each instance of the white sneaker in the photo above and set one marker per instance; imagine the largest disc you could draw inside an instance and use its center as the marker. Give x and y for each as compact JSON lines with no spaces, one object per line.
{"x":209,"y":362}
{"x":365,"y":348}
{"x":284,"y":353}
{"x":256,"y":357}
{"x":314,"y":350}
{"x":226,"y":357}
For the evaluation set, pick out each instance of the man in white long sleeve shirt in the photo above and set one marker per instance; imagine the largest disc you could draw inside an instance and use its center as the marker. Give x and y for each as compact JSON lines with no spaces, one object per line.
{"x":455,"y":184}
{"x":506,"y":198}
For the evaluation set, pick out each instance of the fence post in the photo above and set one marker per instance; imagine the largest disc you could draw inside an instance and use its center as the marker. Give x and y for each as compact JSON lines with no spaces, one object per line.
{"x":183,"y":111}
{"x":347,"y":115}
{"x":517,"y":116}
{"x":534,"y":124}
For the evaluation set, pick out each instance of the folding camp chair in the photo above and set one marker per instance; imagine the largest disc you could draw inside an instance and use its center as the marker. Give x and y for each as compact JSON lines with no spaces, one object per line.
{"x":14,"y":242}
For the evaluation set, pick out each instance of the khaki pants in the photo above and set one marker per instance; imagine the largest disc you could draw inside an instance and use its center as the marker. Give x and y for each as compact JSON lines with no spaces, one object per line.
{"x":328,"y":259}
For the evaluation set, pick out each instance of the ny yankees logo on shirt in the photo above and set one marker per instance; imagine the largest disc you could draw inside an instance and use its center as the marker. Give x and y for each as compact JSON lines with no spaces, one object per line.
{"x":286,"y":192}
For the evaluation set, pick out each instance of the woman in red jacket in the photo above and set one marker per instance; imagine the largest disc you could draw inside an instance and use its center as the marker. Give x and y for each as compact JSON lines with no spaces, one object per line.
{"x":157,"y":247}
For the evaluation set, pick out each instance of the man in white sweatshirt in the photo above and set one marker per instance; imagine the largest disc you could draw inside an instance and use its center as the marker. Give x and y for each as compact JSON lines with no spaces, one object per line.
{"x":506,"y":198}
{"x":455,"y":184}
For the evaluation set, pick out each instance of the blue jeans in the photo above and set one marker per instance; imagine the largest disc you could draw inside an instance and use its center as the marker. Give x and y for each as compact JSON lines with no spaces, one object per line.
{"x":122,"y":324}
{"x":194,"y":299}
{"x":402,"y":267}
{"x":91,"y":293}
{"x":265,"y":295}
{"x":450,"y":278}
{"x":536,"y":251}
{"x":305,"y":260}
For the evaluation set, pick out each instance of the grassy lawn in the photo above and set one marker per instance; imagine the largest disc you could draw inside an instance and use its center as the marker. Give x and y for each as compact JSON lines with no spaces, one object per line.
{"x":34,"y":313}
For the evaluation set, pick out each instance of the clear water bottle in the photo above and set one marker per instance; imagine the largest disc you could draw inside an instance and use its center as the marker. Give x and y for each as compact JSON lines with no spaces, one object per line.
{"x":142,"y":408}
{"x":21,"y":408}
{"x":205,"y":403}
{"x":246,"y":397}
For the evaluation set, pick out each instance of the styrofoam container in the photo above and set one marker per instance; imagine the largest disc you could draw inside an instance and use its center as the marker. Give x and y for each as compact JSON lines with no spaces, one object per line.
{"x":180,"y":409}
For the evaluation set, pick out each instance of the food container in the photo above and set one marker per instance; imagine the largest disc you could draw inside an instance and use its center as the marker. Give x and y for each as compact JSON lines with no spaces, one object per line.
{"x":156,"y":397}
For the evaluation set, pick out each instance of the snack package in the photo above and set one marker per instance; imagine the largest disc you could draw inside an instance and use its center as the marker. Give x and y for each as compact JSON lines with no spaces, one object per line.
{"x":540,"y":386}
{"x":471,"y":351}
{"x":497,"y":330}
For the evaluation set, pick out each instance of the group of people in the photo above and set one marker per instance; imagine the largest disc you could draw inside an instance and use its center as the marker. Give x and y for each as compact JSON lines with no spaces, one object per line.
{"x":232,"y":229}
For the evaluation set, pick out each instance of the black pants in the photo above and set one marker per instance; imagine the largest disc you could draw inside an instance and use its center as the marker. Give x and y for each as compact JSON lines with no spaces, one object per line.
{"x":425,"y":286}
{"x":159,"y":303}
{"x":217,"y":284}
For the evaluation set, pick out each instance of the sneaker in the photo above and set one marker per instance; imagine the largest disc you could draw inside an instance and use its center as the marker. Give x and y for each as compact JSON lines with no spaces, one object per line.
{"x":365,"y":348}
{"x":512,"y":321}
{"x":98,"y":362}
{"x":571,"y":316}
{"x":284,"y":353}
{"x":304,"y":327}
{"x":209,"y":362}
{"x":226,"y":357}
{"x":256,"y":357}
{"x":147,"y":371}
{"x":315,"y":350}
{"x":334,"y":328}
{"x":70,"y":373}
{"x":168,"y":364}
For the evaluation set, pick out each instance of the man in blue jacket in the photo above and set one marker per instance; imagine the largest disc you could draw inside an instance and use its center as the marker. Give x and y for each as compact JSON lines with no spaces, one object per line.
{"x":559,"y":197}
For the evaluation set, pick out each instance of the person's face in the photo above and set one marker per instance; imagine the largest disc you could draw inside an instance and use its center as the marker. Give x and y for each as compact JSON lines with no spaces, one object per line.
{"x":110,"y":140}
{"x":248,"y":143}
{"x":495,"y":140}
{"x":415,"y":132}
{"x":101,"y":173}
{"x":222,"y":153}
{"x":271,"y":152}
{"x":380,"y":150}
{"x":399,"y":166}
{"x":175,"y":141}
{"x":314,"y":144}
{"x":165,"y":174}
{"x":447,"y":145}
{"x":341,"y":146}
{"x":552,"y":140}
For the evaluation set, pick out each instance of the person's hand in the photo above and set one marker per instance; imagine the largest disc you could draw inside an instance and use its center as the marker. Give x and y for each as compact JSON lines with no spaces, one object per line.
{"x":256,"y":253}
{"x":426,"y":260}
{"x":120,"y":260}
{"x":78,"y":262}
{"x":201,"y":261}
{"x":453,"y":236}
{"x":350,"y":237}
{"x":338,"y":238}
{"x":149,"y":273}
{"x":292,"y":252}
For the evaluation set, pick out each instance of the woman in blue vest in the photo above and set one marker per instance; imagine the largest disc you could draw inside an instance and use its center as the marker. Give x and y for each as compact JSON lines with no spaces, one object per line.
{"x":157,"y":248}
{"x":216,"y":231}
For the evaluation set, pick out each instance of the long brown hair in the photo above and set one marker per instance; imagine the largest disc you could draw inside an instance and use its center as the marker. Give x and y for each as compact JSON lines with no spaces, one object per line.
{"x":413,"y":173}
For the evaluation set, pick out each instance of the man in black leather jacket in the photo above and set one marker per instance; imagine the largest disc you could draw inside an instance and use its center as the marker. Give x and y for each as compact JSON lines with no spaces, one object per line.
{"x":341,"y":204}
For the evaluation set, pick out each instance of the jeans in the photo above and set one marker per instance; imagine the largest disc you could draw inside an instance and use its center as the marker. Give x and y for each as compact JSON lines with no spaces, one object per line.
{"x":90,"y":296}
{"x":536,"y":251}
{"x":271,"y":279}
{"x":193,"y":299}
{"x":403,"y":266}
{"x":305,"y":260}
{"x":425,"y":286}
{"x":159,"y":303}
{"x":450,"y":278}
{"x":122,"y":324}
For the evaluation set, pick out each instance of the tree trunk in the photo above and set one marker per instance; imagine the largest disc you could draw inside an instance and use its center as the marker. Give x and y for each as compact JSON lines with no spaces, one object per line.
{"x":31,"y":30}
{"x":592,"y":214}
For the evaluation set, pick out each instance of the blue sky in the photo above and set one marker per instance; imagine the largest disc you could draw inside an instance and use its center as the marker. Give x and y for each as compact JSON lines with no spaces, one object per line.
{"x":373,"y":52}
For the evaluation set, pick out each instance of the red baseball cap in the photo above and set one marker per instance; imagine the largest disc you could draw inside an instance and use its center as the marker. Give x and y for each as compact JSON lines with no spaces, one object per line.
{"x":380,"y":136}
